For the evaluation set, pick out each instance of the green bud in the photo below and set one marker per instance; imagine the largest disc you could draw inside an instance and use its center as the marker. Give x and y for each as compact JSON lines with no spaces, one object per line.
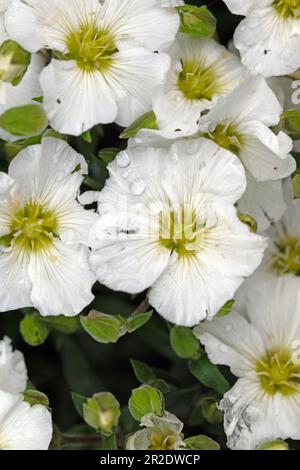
{"x":290,"y":123}
{"x":144,"y":400}
{"x":102,"y":412}
{"x":210,"y":411}
{"x":24,"y":121}
{"x":102,"y":327}
{"x":196,"y":21}
{"x":146,"y":121}
{"x":201,"y":443}
{"x":14,"y":61}
{"x":248,"y":220}
{"x":278,"y":444}
{"x":34,"y":397}
{"x":34,"y":330}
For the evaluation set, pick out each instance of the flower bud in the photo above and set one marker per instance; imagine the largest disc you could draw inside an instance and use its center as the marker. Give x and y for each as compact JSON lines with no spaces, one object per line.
{"x":102,"y":412}
{"x":14,"y":61}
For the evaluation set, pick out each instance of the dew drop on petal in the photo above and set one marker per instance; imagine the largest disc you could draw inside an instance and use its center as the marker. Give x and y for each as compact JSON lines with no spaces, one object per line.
{"x":125,"y":174}
{"x":123,"y":160}
{"x":138,"y":187}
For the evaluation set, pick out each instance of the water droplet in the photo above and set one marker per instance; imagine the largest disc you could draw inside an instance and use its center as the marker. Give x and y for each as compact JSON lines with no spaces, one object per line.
{"x":123,"y":160}
{"x":222,"y":348}
{"x":125,"y":174}
{"x":174,"y":158}
{"x":138,"y":187}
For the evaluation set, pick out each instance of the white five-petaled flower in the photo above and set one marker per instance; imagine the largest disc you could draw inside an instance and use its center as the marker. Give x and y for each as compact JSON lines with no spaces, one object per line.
{"x":261,"y":347}
{"x":44,"y":231}
{"x":108,"y":58}
{"x":168,"y":222}
{"x":159,"y":433}
{"x":269,"y":37}
{"x":201,"y":72}
{"x":23,"y":427}
{"x":13,"y":372}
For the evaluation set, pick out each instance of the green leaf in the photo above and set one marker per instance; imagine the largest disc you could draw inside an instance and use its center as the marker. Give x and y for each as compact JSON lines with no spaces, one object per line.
{"x":34,"y":330}
{"x":196,"y":417}
{"x":142,"y":371}
{"x":226,"y":309}
{"x":196,"y":21}
{"x":290,"y":123}
{"x":24,"y":121}
{"x":183,"y":341}
{"x":108,"y":155}
{"x":87,"y":137}
{"x":146,"y":121}
{"x":296,"y":186}
{"x":210,"y":411}
{"x":144,"y":400}
{"x":102,"y":327}
{"x":78,"y":401}
{"x":67,"y":325}
{"x":208,"y":374}
{"x":102,"y":412}
{"x":13,"y":148}
{"x":248,"y":220}
{"x":137,"y":320}
{"x":34,"y":397}
{"x":201,"y":442}
{"x":277,"y":444}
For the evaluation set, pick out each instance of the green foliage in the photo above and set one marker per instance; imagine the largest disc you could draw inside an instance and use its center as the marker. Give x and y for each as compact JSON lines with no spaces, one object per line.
{"x":24,"y":121}
{"x":144,"y":400}
{"x":208,"y":374}
{"x":201,"y":443}
{"x":146,"y":121}
{"x":197,"y":21}
{"x":34,"y":330}
{"x":184,"y":343}
{"x":290,"y":123}
{"x":33,"y":397}
{"x":102,"y":412}
{"x":226,"y":309}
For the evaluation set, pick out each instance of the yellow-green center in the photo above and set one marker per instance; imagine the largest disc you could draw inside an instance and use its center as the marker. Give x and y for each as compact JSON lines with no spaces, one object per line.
{"x":91,"y":47}
{"x":179,"y":231}
{"x":197,"y":81}
{"x":287,"y":258}
{"x":287,"y":8}
{"x":226,"y":136}
{"x":32,"y":228}
{"x":162,"y":440}
{"x":278,"y":373}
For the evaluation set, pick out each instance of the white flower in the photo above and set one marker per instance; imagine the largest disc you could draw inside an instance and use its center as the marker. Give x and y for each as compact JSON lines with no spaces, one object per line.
{"x":265,"y":201}
{"x":240,"y":122}
{"x":159,"y":433}
{"x":23,"y":93}
{"x":23,"y":427}
{"x":108,"y":69}
{"x":262,"y":350}
{"x":201,"y":72}
{"x":44,"y":231}
{"x":13,"y":372}
{"x":168,"y":222}
{"x":269,"y":37}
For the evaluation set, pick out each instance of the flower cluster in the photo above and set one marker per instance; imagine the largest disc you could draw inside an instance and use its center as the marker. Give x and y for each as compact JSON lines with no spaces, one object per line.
{"x":197,"y":210}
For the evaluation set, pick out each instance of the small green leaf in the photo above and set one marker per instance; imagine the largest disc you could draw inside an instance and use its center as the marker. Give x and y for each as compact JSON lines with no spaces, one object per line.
{"x":146,"y":121}
{"x":34,"y":330}
{"x":278,"y":444}
{"x":137,"y":320}
{"x":78,"y":401}
{"x":102,"y":327}
{"x":144,"y":400}
{"x":87,"y":137}
{"x":210,"y":411}
{"x":34,"y":397}
{"x":226,"y":309}
{"x":108,"y":155}
{"x":197,"y":21}
{"x":201,"y":443}
{"x":183,"y":341}
{"x":248,"y":220}
{"x":67,"y":325}
{"x":290,"y":123}
{"x":196,"y":417}
{"x":102,"y":412}
{"x":24,"y":121}
{"x":142,"y":371}
{"x":208,"y":374}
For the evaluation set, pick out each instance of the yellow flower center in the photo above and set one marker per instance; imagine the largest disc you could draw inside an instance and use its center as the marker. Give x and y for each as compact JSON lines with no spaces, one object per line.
{"x":197,"y":81}
{"x":287,"y":258}
{"x":278,"y":373}
{"x":180,"y":231}
{"x":162,"y":441}
{"x":226,"y":136}
{"x":32,"y":228}
{"x":287,"y":8}
{"x":91,"y":47}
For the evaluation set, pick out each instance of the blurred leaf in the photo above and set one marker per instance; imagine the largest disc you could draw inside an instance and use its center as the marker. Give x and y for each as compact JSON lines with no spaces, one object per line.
{"x":137,"y":320}
{"x":201,"y":443}
{"x":208,"y":374}
{"x":87,"y":137}
{"x":34,"y":397}
{"x":78,"y":401}
{"x":67,"y":325}
{"x":146,"y":121}
{"x":290,"y":123}
{"x":210,"y":411}
{"x":142,"y":371}
{"x":27,"y":121}
{"x":196,"y":417}
{"x":226,"y":309}
{"x":197,"y":21}
{"x":144,"y":400}
{"x":248,"y":220}
{"x":102,"y":327}
{"x":183,"y":342}
{"x":108,"y":155}
{"x":277,"y":444}
{"x":34,"y":330}
{"x":13,"y":148}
